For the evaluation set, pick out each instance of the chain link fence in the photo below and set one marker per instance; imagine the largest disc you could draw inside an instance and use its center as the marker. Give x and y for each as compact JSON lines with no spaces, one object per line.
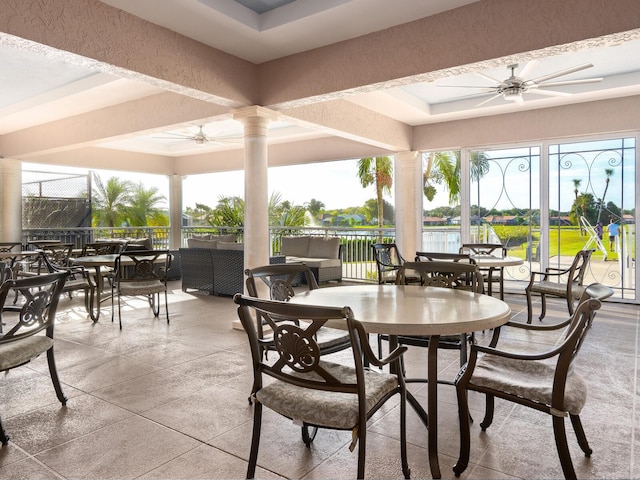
{"x":55,"y":200}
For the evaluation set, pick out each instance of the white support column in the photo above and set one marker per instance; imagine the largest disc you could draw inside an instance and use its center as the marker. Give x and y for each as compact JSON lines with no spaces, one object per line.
{"x":11,"y":195}
{"x":256,"y":194}
{"x":408,"y":195}
{"x":175,"y":211}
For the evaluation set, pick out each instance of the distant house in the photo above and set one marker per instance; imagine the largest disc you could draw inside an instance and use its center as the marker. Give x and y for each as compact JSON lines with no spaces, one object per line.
{"x":501,"y":219}
{"x":350,"y":219}
{"x":427,"y":221}
{"x":473,"y":219}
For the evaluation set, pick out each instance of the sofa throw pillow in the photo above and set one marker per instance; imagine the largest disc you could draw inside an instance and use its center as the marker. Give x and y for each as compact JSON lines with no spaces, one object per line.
{"x":230,"y":246}
{"x":324,"y":247}
{"x":195,"y":243}
{"x":202,"y":237}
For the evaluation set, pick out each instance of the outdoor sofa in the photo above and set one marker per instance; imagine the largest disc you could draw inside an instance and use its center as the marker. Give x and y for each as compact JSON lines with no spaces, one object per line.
{"x":215,"y":265}
{"x":322,"y":255}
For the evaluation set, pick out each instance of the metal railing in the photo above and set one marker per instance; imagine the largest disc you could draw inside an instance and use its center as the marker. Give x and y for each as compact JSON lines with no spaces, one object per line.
{"x":356,"y":252}
{"x":81,"y":236}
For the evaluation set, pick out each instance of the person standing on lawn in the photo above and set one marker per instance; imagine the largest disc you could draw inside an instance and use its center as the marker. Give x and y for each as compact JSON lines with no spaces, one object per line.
{"x":613,"y":228}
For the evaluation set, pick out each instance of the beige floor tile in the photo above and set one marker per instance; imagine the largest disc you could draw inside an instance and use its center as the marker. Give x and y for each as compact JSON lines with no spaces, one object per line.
{"x":206,"y":462}
{"x":170,"y":401}
{"x":151,"y":390}
{"x":123,"y":450}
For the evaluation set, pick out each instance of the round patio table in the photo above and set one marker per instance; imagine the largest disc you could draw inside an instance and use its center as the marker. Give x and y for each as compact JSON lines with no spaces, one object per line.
{"x":415,"y":310}
{"x":494,"y":263}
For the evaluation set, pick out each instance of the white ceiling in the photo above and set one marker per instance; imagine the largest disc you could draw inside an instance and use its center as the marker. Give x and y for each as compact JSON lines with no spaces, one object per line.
{"x":38,"y":89}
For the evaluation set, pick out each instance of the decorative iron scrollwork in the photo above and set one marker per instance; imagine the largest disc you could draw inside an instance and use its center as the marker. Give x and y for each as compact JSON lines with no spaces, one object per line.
{"x":300,"y":350}
{"x":34,"y":309}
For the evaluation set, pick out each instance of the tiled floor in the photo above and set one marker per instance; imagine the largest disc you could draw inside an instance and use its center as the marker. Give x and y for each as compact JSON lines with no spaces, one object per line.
{"x":170,"y":401}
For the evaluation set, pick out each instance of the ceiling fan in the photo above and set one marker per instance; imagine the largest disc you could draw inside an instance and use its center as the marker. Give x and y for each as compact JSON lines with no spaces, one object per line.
{"x":200,"y":138}
{"x":513,"y":87}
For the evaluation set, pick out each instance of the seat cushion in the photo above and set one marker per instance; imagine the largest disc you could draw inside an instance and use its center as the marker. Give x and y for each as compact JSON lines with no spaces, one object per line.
{"x":21,"y":351}
{"x":145,"y":287}
{"x":557,"y":289}
{"x":531,"y":379}
{"x":312,"y":262}
{"x":329,"y":409}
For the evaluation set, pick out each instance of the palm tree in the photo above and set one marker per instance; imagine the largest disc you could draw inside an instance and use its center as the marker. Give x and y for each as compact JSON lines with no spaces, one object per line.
{"x":583,"y":206}
{"x":576,"y":185}
{"x":110,"y":201}
{"x":378,"y":171}
{"x":444,"y":168}
{"x":142,"y":209}
{"x":608,"y":172}
{"x":229,"y":212}
{"x":315,"y":207}
{"x":284,"y":213}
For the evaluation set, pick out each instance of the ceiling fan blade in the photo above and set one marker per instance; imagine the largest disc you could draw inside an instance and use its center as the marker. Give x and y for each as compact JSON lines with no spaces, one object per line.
{"x":548,"y":93}
{"x":482,"y":87}
{"x":524,"y":73}
{"x":225,"y":139}
{"x":569,"y":82}
{"x":489,"y":100}
{"x":559,"y":73}
{"x":175,"y":136}
{"x":491,"y":79}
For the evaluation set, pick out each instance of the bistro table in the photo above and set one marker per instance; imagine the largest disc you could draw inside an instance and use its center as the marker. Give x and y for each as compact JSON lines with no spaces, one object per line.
{"x":493,"y":263}
{"x":97,"y":262}
{"x":415,"y":310}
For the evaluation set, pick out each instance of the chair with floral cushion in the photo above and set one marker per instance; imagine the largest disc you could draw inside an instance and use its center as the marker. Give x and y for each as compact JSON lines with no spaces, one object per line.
{"x":141,"y":273}
{"x":388,"y":261}
{"x":30,"y":325}
{"x":310,"y":390}
{"x":281,"y":279}
{"x":558,"y":282}
{"x":544,"y":381}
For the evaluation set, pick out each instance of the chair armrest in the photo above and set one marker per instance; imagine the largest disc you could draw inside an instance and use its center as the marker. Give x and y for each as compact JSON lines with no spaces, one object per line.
{"x":549,"y":272}
{"x":371,"y":357}
{"x":475,"y":349}
{"x":381,"y":362}
{"x":539,"y":328}
{"x":559,"y":271}
{"x":527,"y":326}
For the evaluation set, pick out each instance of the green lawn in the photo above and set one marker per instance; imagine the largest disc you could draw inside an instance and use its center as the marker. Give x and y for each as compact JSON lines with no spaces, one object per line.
{"x":570,"y":242}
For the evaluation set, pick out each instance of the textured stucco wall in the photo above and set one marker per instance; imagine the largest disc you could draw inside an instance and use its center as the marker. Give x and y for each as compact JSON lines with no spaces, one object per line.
{"x":601,"y":117}
{"x":441,"y":45}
